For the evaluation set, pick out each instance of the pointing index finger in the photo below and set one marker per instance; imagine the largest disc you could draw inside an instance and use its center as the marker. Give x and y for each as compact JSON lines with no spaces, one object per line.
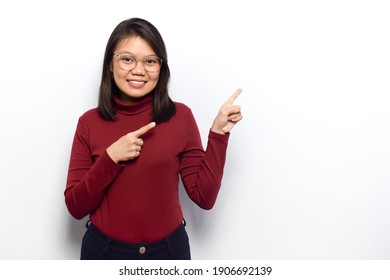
{"x":144,"y":129}
{"x":234,"y":96}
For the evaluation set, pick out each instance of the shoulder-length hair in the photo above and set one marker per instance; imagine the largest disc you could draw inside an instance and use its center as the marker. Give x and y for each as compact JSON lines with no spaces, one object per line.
{"x":163,"y":106}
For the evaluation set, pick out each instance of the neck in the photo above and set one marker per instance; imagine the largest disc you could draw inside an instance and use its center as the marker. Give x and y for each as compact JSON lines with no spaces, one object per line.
{"x":128,"y":100}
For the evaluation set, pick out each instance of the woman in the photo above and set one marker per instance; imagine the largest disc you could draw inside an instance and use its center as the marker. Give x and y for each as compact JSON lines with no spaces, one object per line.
{"x":128,"y":153}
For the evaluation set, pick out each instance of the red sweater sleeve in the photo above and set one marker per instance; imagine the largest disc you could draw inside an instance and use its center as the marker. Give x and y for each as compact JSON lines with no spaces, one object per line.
{"x":87,"y":179}
{"x":202,"y":171}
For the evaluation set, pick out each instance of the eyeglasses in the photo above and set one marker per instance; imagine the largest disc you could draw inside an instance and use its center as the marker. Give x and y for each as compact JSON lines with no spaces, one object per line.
{"x":128,"y":62}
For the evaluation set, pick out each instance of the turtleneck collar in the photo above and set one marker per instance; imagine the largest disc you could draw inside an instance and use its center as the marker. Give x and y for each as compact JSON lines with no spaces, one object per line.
{"x":135,"y":108}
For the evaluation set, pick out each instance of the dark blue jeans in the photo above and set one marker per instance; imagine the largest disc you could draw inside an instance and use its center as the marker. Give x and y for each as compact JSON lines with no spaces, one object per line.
{"x":98,"y":246}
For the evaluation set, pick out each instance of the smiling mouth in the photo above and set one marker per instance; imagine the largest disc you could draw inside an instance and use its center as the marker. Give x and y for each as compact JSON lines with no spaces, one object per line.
{"x":136,"y":82}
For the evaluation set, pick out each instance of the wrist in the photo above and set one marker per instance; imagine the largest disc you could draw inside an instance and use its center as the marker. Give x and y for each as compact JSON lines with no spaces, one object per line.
{"x":111,"y":156}
{"x":218,"y":131}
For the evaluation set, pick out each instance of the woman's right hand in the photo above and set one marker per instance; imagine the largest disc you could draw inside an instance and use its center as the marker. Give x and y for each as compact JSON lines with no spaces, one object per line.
{"x":129,"y":146}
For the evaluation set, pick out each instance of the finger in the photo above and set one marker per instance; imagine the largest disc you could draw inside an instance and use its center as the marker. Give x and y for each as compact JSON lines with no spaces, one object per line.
{"x":236,"y":109}
{"x":136,"y":148}
{"x":235,"y":119}
{"x":136,"y":154}
{"x":234,"y":96}
{"x":144,"y":129}
{"x":234,"y":114}
{"x":139,"y":142}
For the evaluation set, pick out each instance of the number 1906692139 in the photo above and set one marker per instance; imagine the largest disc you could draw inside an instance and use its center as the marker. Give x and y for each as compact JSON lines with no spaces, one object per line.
{"x":256,"y":271}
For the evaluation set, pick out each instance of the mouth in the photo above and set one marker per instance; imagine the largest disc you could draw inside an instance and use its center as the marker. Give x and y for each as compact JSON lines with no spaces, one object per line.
{"x":135,"y":83}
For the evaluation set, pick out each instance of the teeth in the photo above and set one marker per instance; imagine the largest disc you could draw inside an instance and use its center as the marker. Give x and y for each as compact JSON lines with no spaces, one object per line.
{"x":137,"y":82}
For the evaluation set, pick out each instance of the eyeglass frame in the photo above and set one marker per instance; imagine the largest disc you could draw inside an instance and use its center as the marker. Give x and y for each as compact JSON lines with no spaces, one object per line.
{"x":139,"y":59}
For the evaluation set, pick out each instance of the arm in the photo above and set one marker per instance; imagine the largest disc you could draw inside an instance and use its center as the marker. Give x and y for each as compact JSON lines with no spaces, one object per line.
{"x":87,"y":180}
{"x":202,"y":171}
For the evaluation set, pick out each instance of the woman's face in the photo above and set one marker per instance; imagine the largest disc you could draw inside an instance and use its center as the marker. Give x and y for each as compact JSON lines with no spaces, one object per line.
{"x":136,"y":83}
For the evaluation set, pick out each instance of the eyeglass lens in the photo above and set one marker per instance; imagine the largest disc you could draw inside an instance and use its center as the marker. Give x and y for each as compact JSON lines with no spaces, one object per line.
{"x":129,"y":62}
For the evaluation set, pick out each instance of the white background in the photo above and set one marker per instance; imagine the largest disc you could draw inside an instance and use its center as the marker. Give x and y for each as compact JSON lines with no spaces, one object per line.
{"x":307,"y":172}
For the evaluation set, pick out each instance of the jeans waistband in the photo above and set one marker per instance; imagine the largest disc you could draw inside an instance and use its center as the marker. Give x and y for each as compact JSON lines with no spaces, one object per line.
{"x":135,"y":246}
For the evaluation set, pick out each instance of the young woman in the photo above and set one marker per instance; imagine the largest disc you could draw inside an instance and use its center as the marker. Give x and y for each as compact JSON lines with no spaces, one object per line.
{"x":129,"y":152}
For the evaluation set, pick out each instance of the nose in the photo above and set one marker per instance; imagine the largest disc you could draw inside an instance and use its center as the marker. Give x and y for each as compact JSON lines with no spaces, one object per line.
{"x":139,"y":68}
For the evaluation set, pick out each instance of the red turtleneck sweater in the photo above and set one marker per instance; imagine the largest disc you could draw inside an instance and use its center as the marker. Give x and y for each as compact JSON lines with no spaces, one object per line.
{"x":138,"y":201}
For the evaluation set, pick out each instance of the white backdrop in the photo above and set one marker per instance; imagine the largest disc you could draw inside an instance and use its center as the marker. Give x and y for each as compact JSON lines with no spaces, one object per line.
{"x":307,"y":172}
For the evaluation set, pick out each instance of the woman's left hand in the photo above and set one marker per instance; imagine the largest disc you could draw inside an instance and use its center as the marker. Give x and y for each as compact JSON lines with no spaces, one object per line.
{"x":228,"y":115}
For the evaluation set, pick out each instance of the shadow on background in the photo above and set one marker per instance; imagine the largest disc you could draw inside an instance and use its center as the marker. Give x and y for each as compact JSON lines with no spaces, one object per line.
{"x":75,"y":230}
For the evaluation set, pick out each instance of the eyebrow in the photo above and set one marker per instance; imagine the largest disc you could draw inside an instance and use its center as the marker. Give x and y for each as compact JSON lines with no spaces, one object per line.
{"x":127,"y":52}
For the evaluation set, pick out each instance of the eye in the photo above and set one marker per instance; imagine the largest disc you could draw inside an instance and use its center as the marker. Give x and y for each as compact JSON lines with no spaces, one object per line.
{"x":152,"y":61}
{"x":127,"y":59}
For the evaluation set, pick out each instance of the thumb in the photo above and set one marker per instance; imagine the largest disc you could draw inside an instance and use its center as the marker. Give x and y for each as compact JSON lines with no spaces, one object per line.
{"x":144,"y":129}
